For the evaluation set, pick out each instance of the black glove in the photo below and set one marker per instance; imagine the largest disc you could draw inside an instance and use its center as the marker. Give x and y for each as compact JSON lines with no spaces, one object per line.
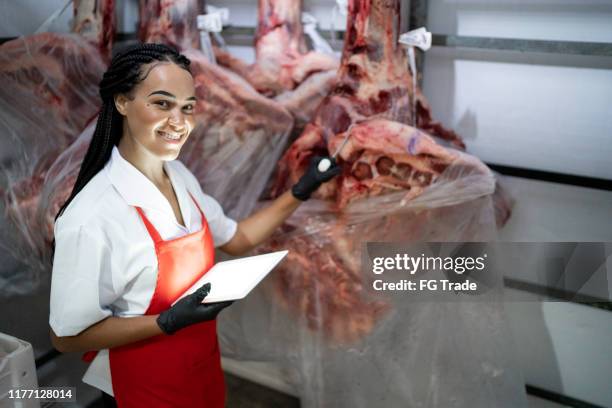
{"x":313,"y":178}
{"x":190,"y":310}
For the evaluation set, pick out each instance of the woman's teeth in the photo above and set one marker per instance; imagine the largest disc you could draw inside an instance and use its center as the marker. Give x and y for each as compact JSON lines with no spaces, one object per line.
{"x":169,"y":136}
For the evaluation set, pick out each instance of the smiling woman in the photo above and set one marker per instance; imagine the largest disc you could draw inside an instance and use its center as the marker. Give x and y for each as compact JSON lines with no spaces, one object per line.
{"x":158,"y":118}
{"x":158,"y":113}
{"x":137,"y":231}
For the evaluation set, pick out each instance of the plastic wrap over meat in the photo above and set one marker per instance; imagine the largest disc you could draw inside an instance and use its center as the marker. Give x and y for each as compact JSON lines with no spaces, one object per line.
{"x":49,"y":94}
{"x":343,"y":344}
{"x":238,"y":140}
{"x":32,"y":221}
{"x":239,"y":134}
{"x":49,"y":90}
{"x":340,"y":341}
{"x":321,"y":278}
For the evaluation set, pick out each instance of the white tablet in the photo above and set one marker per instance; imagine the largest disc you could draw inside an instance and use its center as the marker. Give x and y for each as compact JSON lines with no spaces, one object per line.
{"x":234,"y":279}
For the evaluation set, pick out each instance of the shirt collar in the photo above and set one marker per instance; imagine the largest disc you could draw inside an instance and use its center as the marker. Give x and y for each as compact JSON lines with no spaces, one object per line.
{"x":137,"y":190}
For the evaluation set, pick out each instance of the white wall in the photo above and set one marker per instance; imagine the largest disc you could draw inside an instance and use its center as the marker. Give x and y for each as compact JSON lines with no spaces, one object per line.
{"x":568,"y":20}
{"x":25,"y":16}
{"x":541,"y":111}
{"x":564,"y":347}
{"x":547,"y":112}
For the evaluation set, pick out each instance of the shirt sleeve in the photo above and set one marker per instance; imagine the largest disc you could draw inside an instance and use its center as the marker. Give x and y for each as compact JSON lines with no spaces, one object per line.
{"x":81,"y":281}
{"x":221,"y":226}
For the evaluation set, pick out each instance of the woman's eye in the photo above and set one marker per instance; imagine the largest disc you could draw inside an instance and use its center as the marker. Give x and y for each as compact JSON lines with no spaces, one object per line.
{"x":188,"y":108}
{"x":163,"y":104}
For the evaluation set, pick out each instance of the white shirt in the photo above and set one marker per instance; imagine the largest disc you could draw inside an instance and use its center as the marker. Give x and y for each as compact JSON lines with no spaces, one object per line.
{"x":105,"y":262}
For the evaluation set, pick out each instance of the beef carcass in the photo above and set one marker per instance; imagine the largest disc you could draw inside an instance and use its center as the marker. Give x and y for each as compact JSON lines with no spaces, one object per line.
{"x":396,"y":346}
{"x":51,"y":80}
{"x":284,"y":68}
{"x":398,"y":184}
{"x":384,"y":161}
{"x":374,"y":83}
{"x":50,"y":93}
{"x":33,"y":203}
{"x":170,"y":22}
{"x":95,"y":20}
{"x":282,"y":59}
{"x":304,"y":100}
{"x":240,"y":133}
{"x":50,"y":89}
{"x":391,"y":171}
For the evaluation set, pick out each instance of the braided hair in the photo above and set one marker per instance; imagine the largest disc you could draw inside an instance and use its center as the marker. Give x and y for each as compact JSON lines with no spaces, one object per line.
{"x":123,"y":74}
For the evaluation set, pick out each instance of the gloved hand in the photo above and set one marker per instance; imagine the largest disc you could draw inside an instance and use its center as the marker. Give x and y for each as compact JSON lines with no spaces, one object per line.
{"x":190,"y":310}
{"x":313,"y":178}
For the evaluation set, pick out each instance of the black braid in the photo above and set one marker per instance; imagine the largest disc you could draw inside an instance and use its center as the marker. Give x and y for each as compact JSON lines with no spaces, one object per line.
{"x":123,"y":74}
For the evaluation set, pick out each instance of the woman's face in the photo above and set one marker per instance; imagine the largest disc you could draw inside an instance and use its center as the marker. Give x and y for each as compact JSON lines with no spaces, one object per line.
{"x":159,"y":115}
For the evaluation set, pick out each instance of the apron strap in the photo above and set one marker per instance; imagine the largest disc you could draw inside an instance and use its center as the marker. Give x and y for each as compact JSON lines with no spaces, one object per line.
{"x":152,"y":231}
{"x":198,"y":207}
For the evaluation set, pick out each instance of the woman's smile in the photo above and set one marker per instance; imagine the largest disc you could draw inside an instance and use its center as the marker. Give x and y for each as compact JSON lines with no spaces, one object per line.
{"x":158,"y":114}
{"x":171,"y":137}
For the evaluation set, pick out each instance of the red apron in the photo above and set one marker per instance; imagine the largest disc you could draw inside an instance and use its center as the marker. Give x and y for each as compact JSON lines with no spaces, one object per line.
{"x":180,"y":370}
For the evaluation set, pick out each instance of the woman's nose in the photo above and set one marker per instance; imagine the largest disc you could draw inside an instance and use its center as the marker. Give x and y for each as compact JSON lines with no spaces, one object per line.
{"x":176,"y":119}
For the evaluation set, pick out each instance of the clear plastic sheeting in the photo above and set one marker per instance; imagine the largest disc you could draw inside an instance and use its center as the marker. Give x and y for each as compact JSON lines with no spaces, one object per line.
{"x":343,"y":344}
{"x":503,"y":200}
{"x":239,"y":137}
{"x":49,"y":94}
{"x":36,"y":222}
{"x":223,"y":167}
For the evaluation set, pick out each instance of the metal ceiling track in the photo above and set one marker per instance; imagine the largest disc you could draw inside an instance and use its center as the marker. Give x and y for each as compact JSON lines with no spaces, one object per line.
{"x":525,"y":45}
{"x":244,"y":36}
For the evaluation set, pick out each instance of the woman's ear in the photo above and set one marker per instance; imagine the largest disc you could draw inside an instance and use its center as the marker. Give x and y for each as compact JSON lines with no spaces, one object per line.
{"x":120,"y":103}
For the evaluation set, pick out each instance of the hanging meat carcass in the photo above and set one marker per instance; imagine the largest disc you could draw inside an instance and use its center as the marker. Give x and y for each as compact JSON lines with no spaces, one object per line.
{"x":49,"y":88}
{"x":374,"y":82}
{"x":95,"y":20}
{"x":51,"y":80}
{"x":236,"y":119}
{"x":398,"y":184}
{"x":50,"y":93}
{"x":282,"y":59}
{"x":384,"y":161}
{"x":240,"y":133}
{"x":171,"y":22}
{"x":239,"y":138}
{"x":284,"y":68}
{"x":53,"y":188}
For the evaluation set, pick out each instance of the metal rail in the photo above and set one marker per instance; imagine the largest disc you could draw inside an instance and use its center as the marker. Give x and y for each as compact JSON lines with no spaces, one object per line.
{"x":244,"y":36}
{"x":513,"y":44}
{"x":235,"y":35}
